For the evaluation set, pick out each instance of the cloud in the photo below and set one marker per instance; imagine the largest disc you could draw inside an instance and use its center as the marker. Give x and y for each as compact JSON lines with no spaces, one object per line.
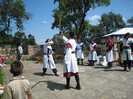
{"x":94,"y":18}
{"x":44,"y":22}
{"x":124,"y":19}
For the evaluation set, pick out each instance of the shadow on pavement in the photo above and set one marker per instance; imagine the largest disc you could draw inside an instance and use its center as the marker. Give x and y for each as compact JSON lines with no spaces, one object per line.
{"x":107,"y":70}
{"x":51,"y":85}
{"x":99,"y":67}
{"x":41,"y":74}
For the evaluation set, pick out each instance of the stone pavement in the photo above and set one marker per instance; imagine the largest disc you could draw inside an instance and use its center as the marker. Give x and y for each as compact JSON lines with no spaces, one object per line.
{"x":96,"y":82}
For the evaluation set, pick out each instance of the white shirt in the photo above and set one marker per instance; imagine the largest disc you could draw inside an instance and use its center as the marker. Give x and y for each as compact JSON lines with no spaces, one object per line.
{"x":20,"y":49}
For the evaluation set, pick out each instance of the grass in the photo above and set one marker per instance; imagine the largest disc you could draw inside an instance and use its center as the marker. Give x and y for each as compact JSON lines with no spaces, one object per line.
{"x":1,"y":79}
{"x":1,"y":76}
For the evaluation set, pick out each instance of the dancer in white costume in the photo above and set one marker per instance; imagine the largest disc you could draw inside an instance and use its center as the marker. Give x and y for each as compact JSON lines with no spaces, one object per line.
{"x":92,"y":58}
{"x":70,"y":62}
{"x":79,"y":50}
{"x":126,"y":51}
{"x":48,"y":61}
{"x":109,"y":52}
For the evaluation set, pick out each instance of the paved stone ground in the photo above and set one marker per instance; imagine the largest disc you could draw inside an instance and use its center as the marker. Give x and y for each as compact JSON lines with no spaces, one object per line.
{"x":96,"y":82}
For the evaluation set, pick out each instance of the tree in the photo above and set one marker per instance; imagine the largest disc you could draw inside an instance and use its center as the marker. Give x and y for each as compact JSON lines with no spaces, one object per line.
{"x":95,"y":33}
{"x":12,"y":11}
{"x":31,"y":40}
{"x":6,"y":39}
{"x":18,"y":38}
{"x":130,"y":21}
{"x":111,"y":22}
{"x":73,"y":13}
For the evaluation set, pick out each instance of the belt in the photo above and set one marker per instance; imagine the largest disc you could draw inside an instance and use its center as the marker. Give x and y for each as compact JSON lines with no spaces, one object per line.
{"x":73,"y":52}
{"x":46,"y":54}
{"x":126,"y":47}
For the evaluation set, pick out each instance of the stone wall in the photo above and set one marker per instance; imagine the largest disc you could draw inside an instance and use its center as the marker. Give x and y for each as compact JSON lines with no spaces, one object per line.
{"x":9,"y":52}
{"x":35,"y":50}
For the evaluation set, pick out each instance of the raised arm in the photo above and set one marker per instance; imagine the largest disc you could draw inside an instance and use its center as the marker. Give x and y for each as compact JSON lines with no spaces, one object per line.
{"x":49,"y":43}
{"x":64,"y":38}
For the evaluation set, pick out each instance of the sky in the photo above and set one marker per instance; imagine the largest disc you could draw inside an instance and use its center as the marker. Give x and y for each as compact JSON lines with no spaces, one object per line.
{"x":40,"y":24}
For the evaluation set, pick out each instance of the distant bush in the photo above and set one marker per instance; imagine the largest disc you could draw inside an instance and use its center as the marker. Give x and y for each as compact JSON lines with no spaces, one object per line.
{"x":1,"y":79}
{"x":30,"y":58}
{"x":1,"y":76}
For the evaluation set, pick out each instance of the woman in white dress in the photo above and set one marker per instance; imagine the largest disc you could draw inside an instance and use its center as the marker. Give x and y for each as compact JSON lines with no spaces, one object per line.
{"x":79,"y":50}
{"x":92,"y":58}
{"x":109,"y":52}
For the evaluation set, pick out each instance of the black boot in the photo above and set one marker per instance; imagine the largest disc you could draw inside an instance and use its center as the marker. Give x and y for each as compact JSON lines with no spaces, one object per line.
{"x":68,"y":83}
{"x":125,"y":65}
{"x":129,"y":66}
{"x":92,"y":63}
{"x":78,"y":61}
{"x":81,"y":61}
{"x":78,"y":84}
{"x":110,"y":65}
{"x":44,"y":71}
{"x":55,"y":72}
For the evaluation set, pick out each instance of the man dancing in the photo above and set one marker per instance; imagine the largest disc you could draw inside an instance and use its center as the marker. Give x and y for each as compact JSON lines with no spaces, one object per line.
{"x":79,"y":50}
{"x":70,"y":62}
{"x":48,"y":61}
{"x":126,"y":51}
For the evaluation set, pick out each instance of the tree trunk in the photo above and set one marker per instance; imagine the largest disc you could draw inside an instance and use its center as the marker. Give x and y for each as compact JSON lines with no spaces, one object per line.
{"x":6,"y":28}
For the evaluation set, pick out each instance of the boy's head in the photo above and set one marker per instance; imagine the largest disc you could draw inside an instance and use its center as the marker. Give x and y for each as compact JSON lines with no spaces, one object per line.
{"x":17,"y":68}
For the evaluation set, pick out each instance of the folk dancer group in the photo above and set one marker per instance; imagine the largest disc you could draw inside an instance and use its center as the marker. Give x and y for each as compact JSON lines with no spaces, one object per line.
{"x":70,"y":67}
{"x":71,"y":61}
{"x":126,"y":53}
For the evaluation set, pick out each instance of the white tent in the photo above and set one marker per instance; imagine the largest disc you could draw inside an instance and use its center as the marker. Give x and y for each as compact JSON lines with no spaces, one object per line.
{"x":120,"y":32}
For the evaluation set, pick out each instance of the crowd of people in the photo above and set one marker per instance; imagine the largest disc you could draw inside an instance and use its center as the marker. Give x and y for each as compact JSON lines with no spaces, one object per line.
{"x":19,"y":87}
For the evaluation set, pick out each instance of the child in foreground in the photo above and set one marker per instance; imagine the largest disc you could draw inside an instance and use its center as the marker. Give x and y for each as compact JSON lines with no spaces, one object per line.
{"x":19,"y":87}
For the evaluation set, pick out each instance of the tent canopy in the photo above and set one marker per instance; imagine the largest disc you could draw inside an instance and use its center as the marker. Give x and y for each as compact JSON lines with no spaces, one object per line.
{"x":120,"y":32}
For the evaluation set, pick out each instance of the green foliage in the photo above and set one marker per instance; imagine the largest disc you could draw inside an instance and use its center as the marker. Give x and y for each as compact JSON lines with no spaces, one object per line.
{"x":6,"y":39}
{"x":130,"y":22}
{"x":19,"y":37}
{"x":12,"y":11}
{"x":111,"y":22}
{"x":1,"y":76}
{"x":74,"y":12}
{"x":8,"y":62}
{"x":1,"y":79}
{"x":30,"y":58}
{"x":31,"y":40}
{"x":57,"y":37}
